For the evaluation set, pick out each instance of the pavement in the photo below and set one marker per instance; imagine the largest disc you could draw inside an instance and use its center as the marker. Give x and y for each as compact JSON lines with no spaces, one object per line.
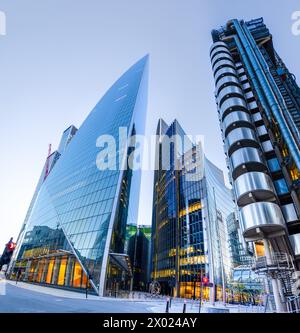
{"x":29,"y":298}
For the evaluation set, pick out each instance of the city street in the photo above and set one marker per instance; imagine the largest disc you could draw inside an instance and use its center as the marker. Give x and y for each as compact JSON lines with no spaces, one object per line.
{"x":22,"y":299}
{"x":29,"y":298}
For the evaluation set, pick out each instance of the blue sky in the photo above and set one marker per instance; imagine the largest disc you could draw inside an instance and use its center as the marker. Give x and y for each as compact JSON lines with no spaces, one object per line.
{"x":60,"y":56}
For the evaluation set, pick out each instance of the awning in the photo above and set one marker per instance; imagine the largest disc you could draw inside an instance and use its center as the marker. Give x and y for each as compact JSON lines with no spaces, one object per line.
{"x":123,"y":261}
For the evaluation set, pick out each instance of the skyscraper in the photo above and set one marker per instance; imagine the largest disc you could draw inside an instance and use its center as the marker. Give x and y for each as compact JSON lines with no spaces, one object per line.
{"x":258,"y":103}
{"x":190,"y":207}
{"x":75,"y":229}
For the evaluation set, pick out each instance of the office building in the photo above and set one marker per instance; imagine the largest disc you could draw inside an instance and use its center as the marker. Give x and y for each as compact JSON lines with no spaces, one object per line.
{"x":258,"y":102}
{"x":75,"y":230}
{"x":190,"y":206}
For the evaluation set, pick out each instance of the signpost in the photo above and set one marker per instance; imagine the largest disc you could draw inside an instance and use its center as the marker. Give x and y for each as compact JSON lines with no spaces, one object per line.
{"x":204,"y":283}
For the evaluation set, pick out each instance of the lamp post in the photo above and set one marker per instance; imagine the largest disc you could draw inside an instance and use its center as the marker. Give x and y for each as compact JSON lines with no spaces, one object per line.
{"x":89,"y":277}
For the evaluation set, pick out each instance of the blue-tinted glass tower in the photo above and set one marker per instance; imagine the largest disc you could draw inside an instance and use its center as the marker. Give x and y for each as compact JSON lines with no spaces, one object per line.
{"x":190,"y":209}
{"x":74,"y":233}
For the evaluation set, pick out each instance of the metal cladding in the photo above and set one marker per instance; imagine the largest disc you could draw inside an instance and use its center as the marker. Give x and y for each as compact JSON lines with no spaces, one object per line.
{"x":254,"y":185}
{"x":254,"y":190}
{"x":267,"y":83}
{"x":295,"y":241}
{"x":265,"y":217}
{"x":258,"y":103}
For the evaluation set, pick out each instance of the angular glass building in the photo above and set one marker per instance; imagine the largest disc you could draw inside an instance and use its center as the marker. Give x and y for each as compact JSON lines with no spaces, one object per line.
{"x":74,"y":232}
{"x":190,"y":206}
{"x":258,"y":104}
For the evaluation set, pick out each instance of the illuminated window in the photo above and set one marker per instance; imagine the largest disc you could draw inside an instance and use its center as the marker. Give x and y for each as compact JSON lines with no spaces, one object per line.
{"x":295,"y":174}
{"x":84,"y":281}
{"x":77,"y":275}
{"x":50,"y":270}
{"x":40,"y":271}
{"x":62,"y":271}
{"x":259,"y":249}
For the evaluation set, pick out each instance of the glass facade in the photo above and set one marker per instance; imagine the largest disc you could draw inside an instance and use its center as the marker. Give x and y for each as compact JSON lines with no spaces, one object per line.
{"x":189,"y":236}
{"x":138,"y":249}
{"x":66,"y":138}
{"x":79,"y":213}
{"x":237,"y":247}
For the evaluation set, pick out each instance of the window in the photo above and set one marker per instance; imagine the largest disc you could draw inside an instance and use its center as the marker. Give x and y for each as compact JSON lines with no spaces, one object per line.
{"x":62,"y":271}
{"x":273,"y":165}
{"x":281,"y":186}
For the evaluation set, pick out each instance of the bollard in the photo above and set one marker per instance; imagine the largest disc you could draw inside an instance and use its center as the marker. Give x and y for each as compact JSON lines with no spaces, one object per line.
{"x":168,"y":305}
{"x":184,"y":307}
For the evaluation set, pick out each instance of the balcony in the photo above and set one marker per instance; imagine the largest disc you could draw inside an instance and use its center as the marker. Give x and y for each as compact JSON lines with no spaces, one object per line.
{"x":233,"y":104}
{"x":295,"y":242}
{"x":241,"y":137}
{"x":236,"y":119}
{"x":278,"y":262}
{"x":246,"y":159}
{"x":253,"y":186}
{"x":261,"y":219}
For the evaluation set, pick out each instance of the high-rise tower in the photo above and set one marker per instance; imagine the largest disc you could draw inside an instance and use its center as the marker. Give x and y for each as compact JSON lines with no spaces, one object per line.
{"x":258,"y":103}
{"x":190,"y":206}
{"x":75,"y":229}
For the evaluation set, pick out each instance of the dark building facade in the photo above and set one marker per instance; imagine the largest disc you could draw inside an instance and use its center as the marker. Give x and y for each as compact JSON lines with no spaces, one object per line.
{"x":75,"y":229}
{"x":258,"y":104}
{"x":139,"y":245}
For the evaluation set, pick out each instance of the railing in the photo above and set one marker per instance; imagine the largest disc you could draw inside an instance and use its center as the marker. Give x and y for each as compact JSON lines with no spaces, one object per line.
{"x":277,"y":262}
{"x":293,"y":304}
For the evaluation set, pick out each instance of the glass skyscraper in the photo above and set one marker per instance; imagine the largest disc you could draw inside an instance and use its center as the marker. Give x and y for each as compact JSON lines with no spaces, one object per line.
{"x":190,"y":206}
{"x":258,"y":102}
{"x":74,"y":232}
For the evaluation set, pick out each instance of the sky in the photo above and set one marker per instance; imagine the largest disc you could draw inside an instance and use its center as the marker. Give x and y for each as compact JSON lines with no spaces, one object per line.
{"x":59,"y":57}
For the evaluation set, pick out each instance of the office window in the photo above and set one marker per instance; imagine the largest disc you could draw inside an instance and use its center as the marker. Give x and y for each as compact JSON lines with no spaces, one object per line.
{"x":281,"y":186}
{"x":273,"y":165}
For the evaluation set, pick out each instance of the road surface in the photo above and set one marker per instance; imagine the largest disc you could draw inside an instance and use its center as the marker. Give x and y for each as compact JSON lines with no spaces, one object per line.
{"x":22,"y":300}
